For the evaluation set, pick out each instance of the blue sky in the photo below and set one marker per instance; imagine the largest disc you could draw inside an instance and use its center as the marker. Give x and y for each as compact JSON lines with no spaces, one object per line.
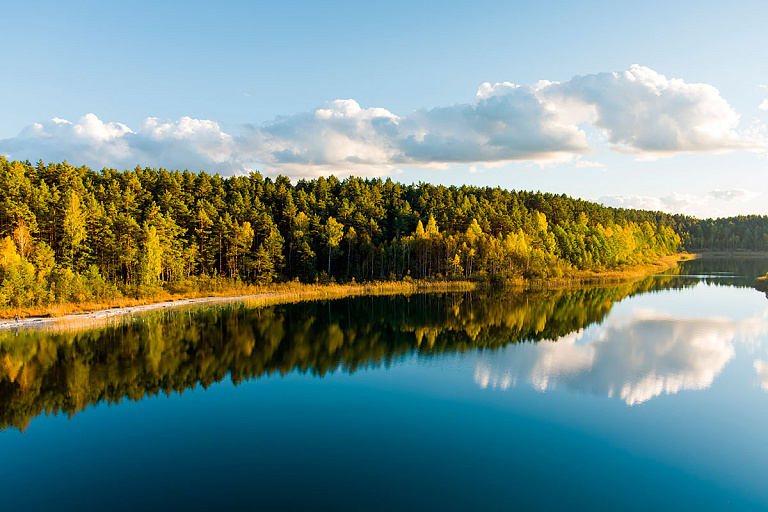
{"x":650,"y":105}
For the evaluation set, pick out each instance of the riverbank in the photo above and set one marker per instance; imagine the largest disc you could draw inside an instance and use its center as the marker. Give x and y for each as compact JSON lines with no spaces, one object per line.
{"x":588,"y":277}
{"x":86,"y":314}
{"x":275,"y":294}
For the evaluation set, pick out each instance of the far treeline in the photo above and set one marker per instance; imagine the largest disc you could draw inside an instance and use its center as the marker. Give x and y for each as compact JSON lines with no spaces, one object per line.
{"x":71,"y":234}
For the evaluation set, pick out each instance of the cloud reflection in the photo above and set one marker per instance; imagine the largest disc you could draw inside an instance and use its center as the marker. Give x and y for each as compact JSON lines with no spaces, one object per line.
{"x":761,"y":367}
{"x":635,"y":357}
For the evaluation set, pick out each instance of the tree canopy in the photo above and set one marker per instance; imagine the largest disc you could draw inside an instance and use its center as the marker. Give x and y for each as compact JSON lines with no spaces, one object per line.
{"x":83,"y":235}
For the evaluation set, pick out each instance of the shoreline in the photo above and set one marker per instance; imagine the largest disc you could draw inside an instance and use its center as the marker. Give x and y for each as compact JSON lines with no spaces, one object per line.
{"x":301,"y":293}
{"x":720,"y":255}
{"x":590,"y":278}
{"x":293,"y":293}
{"x":105,"y":314}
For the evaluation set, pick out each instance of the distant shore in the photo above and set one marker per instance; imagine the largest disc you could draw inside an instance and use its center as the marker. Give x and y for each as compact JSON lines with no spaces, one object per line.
{"x":293,"y":292}
{"x":731,"y":254}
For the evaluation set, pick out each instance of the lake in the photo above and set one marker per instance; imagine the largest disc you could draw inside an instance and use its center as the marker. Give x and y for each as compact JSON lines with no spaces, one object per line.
{"x":649,"y":395}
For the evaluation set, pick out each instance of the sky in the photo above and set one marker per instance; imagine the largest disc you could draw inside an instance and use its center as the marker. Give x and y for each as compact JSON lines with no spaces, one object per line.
{"x":656,"y":105}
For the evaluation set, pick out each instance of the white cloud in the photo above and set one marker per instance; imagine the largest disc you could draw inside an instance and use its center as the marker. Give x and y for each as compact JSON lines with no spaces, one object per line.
{"x":644,"y":113}
{"x":637,"y":111}
{"x":186,"y":143}
{"x":736,"y":194}
{"x":89,"y":139}
{"x":764,"y":104}
{"x":588,"y":164}
{"x":510,"y":124}
{"x":679,"y":203}
{"x":634,"y":201}
{"x":196,"y":140}
{"x":340,"y":134}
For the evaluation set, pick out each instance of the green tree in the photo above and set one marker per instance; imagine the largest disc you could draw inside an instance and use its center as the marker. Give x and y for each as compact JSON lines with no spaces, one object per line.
{"x":332,"y":233}
{"x":242,"y":242}
{"x":73,"y":225}
{"x":151,"y":260}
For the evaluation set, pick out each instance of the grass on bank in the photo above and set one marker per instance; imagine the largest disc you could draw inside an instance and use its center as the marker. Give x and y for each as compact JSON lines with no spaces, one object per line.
{"x":266,"y":294}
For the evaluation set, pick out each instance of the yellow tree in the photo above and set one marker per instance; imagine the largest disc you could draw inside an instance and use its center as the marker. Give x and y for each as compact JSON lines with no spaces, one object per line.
{"x":73,"y":224}
{"x":332,"y":233}
{"x":151,"y":264}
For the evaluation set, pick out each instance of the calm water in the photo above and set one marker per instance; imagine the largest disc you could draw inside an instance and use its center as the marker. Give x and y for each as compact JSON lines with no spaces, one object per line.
{"x":638,"y":397}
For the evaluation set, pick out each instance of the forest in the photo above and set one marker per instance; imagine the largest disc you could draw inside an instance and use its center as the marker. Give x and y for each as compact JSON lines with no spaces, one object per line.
{"x":74,"y":235}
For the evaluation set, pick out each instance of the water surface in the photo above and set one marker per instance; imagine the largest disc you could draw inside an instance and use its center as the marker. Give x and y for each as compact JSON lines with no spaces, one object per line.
{"x":639,"y":396}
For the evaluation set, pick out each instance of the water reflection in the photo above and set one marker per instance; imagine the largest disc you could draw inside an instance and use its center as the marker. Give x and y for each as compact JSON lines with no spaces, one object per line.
{"x":635,"y":357}
{"x":171,"y":351}
{"x":738,"y":272}
{"x":761,"y":367}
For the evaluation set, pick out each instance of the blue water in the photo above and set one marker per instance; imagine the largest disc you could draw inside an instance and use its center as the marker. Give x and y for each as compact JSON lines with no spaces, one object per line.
{"x":662,"y":404}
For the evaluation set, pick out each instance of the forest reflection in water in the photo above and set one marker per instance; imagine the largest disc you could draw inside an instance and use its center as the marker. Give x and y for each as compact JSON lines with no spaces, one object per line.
{"x":737,"y":272}
{"x":174,"y":350}
{"x":647,"y":351}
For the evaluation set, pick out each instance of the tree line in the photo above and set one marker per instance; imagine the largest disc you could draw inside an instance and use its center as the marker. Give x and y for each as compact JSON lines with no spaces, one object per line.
{"x":71,"y":234}
{"x":744,"y":232}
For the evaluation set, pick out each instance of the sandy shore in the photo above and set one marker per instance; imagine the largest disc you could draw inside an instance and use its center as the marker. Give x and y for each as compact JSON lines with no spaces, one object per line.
{"x":35,"y":322}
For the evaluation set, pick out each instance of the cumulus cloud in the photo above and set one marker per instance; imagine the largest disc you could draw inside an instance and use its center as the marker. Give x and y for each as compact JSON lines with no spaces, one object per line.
{"x":764,"y":104}
{"x":199,"y":141}
{"x":185,"y":143}
{"x":736,"y":194}
{"x":473,"y":169}
{"x":510,"y":124}
{"x":645,"y":113}
{"x":588,"y":164}
{"x":672,"y":203}
{"x":340,"y":134}
{"x":637,"y":111}
{"x":635,"y":358}
{"x":89,"y":139}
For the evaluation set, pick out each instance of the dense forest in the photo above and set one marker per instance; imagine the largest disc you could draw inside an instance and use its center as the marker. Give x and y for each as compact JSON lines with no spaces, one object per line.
{"x":745,"y":232}
{"x":71,"y":234}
